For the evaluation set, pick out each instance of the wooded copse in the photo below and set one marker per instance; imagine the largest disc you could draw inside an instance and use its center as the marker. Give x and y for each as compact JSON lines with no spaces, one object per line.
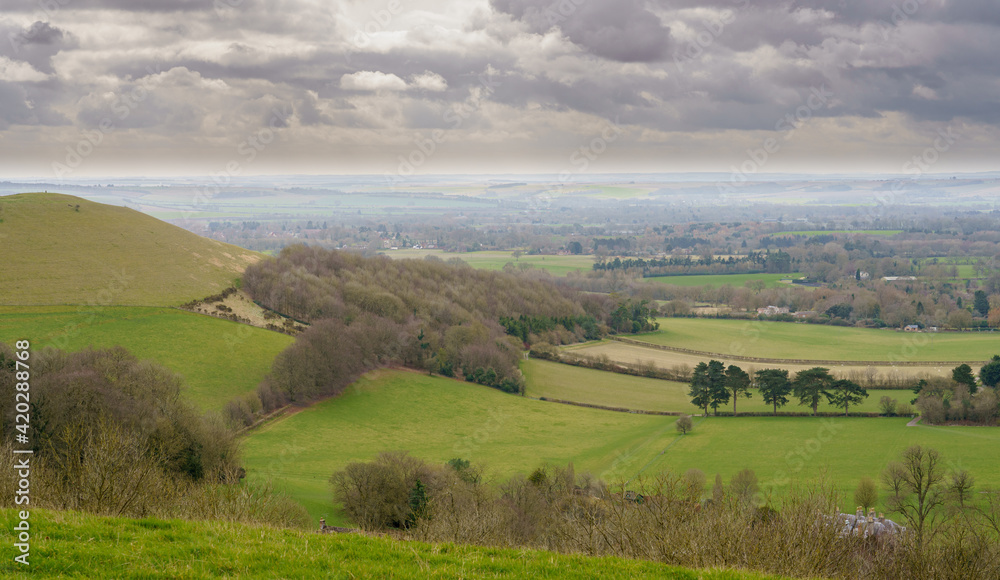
{"x":443,"y":317}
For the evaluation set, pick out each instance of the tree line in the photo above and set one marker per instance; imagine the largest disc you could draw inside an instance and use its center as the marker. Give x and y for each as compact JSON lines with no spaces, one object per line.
{"x":714,"y":385}
{"x":963,"y":399}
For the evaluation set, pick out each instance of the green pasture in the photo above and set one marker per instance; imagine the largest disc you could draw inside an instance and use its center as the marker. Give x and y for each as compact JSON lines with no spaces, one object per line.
{"x":789,"y":340}
{"x":438,"y":419}
{"x":787,"y":451}
{"x":218,"y":359}
{"x":490,"y":260}
{"x":583,"y":385}
{"x":77,"y":545}
{"x":736,"y":280}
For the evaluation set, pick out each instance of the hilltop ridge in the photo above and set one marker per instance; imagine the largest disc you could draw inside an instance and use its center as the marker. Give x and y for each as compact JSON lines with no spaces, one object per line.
{"x":61,"y":249}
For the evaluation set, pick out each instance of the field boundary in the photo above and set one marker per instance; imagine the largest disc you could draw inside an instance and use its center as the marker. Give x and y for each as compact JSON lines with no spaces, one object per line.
{"x":779,"y":361}
{"x":607,"y":408}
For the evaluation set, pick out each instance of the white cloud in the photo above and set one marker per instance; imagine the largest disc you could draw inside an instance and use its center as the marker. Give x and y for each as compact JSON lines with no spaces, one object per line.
{"x":367,"y":80}
{"x":429,"y":81}
{"x":17,"y":72}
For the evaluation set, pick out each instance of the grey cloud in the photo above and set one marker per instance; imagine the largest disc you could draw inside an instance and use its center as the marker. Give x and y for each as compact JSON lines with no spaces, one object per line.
{"x":624,"y":31}
{"x":49,"y":6}
{"x":36,"y":44}
{"x":13,"y":106}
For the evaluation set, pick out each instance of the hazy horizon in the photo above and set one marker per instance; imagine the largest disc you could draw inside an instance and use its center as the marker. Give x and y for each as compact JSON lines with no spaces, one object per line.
{"x":200,"y":87}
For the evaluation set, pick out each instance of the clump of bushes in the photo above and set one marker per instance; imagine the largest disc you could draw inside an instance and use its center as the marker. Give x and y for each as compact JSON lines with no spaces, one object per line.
{"x":669,"y":519}
{"x":111,"y":435}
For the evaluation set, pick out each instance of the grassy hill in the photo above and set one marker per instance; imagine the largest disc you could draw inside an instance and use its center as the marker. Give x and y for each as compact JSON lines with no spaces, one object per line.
{"x":218,"y":359}
{"x":439,"y":419}
{"x":75,"y":545}
{"x":60,"y":249}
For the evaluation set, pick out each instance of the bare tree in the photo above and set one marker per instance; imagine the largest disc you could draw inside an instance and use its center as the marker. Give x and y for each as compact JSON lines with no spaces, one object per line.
{"x":917,"y":489}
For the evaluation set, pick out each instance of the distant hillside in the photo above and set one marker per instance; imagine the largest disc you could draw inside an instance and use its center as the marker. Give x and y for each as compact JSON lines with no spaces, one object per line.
{"x":60,"y":249}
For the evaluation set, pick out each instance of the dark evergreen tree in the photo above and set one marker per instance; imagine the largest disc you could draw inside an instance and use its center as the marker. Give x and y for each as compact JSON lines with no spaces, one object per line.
{"x":843,"y":393}
{"x":737,"y":383}
{"x":809,"y":386}
{"x":774,"y":387}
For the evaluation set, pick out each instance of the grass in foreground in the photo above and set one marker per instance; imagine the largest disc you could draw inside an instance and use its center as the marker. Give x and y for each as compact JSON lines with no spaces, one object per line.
{"x":61,"y":249}
{"x":71,"y":544}
{"x":218,"y":359}
{"x":583,"y":385}
{"x":789,"y":340}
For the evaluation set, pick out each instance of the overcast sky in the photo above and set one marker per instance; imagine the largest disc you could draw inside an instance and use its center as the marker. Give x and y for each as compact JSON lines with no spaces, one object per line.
{"x":185,"y":87}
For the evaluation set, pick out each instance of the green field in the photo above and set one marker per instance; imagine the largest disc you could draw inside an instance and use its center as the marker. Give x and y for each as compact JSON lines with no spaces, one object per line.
{"x":787,"y":450}
{"x":218,"y":359}
{"x":582,"y":385}
{"x":439,"y":419}
{"x":71,"y":544}
{"x":60,"y":249}
{"x":966,"y":265}
{"x":554,"y":264}
{"x":831,"y":232}
{"x":788,"y":340}
{"x":772,"y":280}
